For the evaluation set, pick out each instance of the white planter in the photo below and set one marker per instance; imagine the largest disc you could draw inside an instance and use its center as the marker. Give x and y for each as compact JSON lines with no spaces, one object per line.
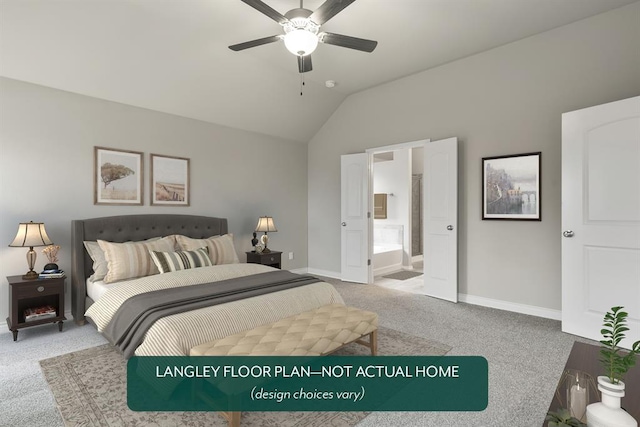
{"x":608,"y":413}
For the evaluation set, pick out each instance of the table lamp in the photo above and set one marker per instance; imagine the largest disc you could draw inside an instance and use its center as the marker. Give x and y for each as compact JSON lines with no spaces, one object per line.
{"x":265,"y":223}
{"x":31,"y":234}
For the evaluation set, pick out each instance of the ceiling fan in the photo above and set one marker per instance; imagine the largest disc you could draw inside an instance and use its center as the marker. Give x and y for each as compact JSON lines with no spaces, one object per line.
{"x":302,"y":31}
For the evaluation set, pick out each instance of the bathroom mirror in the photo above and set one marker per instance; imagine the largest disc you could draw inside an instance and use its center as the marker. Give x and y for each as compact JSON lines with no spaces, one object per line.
{"x":380,"y":206}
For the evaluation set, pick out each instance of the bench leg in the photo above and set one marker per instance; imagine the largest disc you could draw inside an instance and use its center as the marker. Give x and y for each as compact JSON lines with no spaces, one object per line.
{"x":373,"y":342}
{"x":233,"y":418}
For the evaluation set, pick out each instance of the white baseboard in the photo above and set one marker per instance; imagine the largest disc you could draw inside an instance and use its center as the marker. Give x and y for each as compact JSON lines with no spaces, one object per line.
{"x":325,"y":273}
{"x":531,"y":310}
{"x":302,"y":270}
{"x":417,"y":258}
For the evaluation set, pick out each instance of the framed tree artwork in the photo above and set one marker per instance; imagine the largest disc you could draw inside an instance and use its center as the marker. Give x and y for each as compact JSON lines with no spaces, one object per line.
{"x":118,"y":177}
{"x":511,"y":187}
{"x":169,"y":180}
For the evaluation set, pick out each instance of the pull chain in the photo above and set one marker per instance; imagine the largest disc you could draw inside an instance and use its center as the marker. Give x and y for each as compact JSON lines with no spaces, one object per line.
{"x":302,"y":63}
{"x":302,"y":75}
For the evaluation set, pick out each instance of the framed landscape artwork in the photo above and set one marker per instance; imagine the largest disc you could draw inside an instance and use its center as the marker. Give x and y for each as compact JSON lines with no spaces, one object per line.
{"x":117,"y":177}
{"x":169,"y":180}
{"x":511,"y":187}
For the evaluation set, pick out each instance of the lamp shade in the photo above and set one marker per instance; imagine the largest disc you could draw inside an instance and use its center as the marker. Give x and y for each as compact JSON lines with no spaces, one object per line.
{"x":301,"y":42}
{"x":265,"y":224}
{"x":31,"y":234}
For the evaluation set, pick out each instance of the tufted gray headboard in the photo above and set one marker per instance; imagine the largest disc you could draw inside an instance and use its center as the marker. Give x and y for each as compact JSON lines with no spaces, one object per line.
{"x":125,"y":228}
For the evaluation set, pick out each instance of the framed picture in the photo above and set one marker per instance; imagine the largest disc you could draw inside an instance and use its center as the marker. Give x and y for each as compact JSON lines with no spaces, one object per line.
{"x":511,"y":187}
{"x":169,"y":180}
{"x":117,"y":177}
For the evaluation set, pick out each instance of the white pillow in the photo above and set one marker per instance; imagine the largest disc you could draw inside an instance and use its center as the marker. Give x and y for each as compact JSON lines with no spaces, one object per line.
{"x":221,"y":248}
{"x":100,"y":266}
{"x":131,"y":259}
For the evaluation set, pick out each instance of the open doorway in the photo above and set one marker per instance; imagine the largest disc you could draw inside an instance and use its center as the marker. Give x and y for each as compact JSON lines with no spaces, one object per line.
{"x":417,"y":205}
{"x":397,"y":250}
{"x":439,"y":214}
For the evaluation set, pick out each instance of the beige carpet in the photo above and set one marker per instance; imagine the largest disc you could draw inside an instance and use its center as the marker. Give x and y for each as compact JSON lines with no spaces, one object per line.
{"x":90,"y":390}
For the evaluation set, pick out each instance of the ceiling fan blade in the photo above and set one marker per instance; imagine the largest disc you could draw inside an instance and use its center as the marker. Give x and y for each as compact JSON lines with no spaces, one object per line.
{"x":328,"y":10}
{"x":267,"y":10}
{"x":348,"y":41}
{"x":304,"y":63}
{"x":254,"y":43}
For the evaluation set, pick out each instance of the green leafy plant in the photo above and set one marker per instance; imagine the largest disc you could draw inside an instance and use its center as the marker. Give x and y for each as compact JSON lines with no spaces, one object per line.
{"x":615,"y":363}
{"x":563,"y":418}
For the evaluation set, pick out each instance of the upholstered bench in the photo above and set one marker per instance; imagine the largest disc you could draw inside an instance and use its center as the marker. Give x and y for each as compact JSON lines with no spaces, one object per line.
{"x":312,"y":333}
{"x":315,"y":332}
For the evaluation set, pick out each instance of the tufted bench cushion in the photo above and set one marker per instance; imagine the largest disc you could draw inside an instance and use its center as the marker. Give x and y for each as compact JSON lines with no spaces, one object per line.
{"x":312,"y":333}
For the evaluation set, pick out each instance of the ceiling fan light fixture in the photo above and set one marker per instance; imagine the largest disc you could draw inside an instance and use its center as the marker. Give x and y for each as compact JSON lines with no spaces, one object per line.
{"x":302,"y":31}
{"x":301,"y":42}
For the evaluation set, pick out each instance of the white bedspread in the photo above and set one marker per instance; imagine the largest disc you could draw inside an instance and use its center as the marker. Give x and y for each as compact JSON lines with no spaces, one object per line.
{"x":175,"y":335}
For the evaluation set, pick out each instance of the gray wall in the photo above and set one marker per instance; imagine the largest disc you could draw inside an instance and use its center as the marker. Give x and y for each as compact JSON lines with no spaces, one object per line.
{"x":507,"y":100}
{"x":46,"y":168}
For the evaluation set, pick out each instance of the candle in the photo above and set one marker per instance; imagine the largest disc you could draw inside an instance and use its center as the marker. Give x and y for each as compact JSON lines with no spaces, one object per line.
{"x":578,"y":401}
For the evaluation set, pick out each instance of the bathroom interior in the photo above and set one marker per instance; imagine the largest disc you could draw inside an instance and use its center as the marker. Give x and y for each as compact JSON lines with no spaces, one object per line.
{"x":398,"y":204}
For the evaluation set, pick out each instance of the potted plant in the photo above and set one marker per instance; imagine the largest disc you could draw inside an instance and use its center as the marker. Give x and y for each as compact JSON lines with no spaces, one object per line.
{"x":563,"y":418}
{"x":616,"y":363}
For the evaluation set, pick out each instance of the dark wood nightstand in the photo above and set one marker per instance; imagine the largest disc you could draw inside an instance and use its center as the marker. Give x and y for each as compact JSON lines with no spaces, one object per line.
{"x":24,"y":294}
{"x":273,"y":258}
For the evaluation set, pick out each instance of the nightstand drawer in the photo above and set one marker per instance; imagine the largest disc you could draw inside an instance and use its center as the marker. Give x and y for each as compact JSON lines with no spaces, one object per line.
{"x":39,"y":288}
{"x":272,"y":259}
{"x":269,"y":259}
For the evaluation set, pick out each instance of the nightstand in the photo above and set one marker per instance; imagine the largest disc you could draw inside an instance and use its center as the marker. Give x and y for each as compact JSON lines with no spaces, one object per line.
{"x":272,"y":259}
{"x":24,"y":294}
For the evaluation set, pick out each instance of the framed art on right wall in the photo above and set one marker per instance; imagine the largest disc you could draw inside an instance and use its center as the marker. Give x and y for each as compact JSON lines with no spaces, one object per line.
{"x":511,"y":187}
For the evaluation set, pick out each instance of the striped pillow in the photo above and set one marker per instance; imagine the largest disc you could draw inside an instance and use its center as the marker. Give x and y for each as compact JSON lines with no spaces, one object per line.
{"x":180,"y":260}
{"x":100,"y":265}
{"x":221,"y":249}
{"x":131,"y":259}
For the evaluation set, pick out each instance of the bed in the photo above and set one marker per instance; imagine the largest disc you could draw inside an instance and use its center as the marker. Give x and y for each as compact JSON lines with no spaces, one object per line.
{"x":176,"y":334}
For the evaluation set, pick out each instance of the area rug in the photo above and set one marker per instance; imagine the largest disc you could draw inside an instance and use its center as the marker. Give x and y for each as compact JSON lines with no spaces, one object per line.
{"x":90,"y":389}
{"x":403,"y":275}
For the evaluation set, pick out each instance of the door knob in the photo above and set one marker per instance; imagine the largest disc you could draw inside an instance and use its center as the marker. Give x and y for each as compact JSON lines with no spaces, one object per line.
{"x":344,"y":224}
{"x":449,"y":227}
{"x":567,"y":233}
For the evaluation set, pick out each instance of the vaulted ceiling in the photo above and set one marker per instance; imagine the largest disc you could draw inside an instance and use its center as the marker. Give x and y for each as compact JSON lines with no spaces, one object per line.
{"x":172,"y":55}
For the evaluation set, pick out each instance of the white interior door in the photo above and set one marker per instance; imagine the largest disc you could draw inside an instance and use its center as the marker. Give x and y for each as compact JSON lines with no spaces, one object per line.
{"x":355,"y":217}
{"x":440,"y":186}
{"x":601,"y":217}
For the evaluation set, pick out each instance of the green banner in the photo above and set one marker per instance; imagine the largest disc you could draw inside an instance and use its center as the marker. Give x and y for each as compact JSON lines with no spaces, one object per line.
{"x":291,"y":383}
